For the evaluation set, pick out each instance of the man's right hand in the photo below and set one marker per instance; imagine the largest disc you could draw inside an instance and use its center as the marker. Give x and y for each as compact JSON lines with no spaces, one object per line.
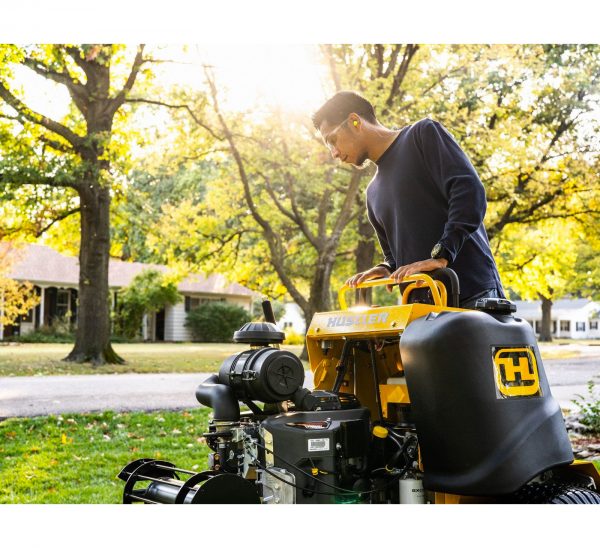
{"x":371,"y":274}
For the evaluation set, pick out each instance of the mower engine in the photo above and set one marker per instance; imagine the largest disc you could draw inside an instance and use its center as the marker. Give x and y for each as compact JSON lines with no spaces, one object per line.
{"x":302,"y":447}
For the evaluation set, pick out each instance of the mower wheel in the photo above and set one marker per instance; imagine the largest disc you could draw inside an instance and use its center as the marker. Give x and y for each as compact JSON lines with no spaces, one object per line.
{"x":554,"y":493}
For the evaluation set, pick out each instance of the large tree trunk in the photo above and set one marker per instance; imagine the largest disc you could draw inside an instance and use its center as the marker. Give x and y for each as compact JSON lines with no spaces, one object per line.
{"x":546,"y":331}
{"x":365,"y":252}
{"x":319,"y":293}
{"x":92,"y":340}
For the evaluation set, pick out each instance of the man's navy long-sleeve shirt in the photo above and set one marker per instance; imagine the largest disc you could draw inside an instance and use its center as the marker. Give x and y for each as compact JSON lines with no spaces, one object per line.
{"x":427,"y":191}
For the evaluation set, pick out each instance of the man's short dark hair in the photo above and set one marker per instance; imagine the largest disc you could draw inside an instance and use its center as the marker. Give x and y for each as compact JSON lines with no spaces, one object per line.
{"x":337,"y":108}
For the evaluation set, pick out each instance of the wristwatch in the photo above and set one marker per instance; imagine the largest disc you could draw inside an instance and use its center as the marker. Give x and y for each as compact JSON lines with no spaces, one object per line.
{"x":440,"y":252}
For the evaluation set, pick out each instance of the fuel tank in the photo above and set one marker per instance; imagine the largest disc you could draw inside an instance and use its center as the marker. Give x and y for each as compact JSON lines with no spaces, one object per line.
{"x":486,"y":420}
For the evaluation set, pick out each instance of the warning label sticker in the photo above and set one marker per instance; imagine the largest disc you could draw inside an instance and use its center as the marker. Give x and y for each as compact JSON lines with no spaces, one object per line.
{"x":318,"y":444}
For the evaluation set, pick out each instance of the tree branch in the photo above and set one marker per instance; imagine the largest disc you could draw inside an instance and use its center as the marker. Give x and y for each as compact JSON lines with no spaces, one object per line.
{"x":409,"y":52}
{"x":327,"y":50}
{"x":185,"y":107}
{"x":75,"y":140}
{"x":271,"y":237}
{"x":60,"y":77}
{"x":56,"y":145}
{"x":393,"y":60}
{"x":28,"y":179}
{"x":135,"y":68}
{"x":61,"y":217}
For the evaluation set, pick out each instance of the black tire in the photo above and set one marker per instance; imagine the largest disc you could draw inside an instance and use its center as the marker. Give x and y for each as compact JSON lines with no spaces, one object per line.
{"x":554,"y":493}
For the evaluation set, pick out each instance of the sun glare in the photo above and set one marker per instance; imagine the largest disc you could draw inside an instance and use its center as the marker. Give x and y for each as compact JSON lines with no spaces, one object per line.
{"x":254,"y":77}
{"x":289,"y":78}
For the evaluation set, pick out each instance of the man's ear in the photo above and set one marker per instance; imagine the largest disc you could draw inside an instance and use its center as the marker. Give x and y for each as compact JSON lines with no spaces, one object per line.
{"x":355,"y":120}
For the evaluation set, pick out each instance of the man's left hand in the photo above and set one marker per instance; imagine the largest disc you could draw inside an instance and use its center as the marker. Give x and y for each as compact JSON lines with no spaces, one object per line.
{"x":420,"y":266}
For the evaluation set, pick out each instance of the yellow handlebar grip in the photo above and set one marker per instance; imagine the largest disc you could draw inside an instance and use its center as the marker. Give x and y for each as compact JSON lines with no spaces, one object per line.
{"x":437,"y":288}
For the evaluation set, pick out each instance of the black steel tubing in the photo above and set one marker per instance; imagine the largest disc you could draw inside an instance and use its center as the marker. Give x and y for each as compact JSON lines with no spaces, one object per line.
{"x":348,"y":344}
{"x":376,"y":378}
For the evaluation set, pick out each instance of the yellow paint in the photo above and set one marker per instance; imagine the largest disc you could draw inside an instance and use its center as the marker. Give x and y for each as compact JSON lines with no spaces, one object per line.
{"x":393,"y":393}
{"x":507,"y":369}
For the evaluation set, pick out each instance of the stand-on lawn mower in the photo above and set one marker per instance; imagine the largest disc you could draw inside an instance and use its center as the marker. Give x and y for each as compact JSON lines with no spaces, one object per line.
{"x":414,"y":403}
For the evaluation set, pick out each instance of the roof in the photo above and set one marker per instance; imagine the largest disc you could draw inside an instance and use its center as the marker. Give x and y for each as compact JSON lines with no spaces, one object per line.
{"x":42,"y":264}
{"x":559,"y":307}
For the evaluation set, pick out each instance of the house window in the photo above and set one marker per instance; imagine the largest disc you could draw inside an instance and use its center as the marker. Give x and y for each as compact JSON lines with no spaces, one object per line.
{"x":537,"y":326}
{"x":287,"y":324}
{"x":565,"y":325}
{"x":553,"y":326}
{"x":594,"y":325}
{"x":62,"y":302}
{"x":579,"y":326}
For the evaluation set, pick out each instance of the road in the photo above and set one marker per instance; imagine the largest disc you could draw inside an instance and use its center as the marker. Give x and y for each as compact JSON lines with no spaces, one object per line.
{"x":31,"y":396}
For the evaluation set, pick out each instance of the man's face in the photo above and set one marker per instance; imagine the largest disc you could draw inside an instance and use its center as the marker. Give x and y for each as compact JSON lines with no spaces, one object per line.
{"x":343,"y":141}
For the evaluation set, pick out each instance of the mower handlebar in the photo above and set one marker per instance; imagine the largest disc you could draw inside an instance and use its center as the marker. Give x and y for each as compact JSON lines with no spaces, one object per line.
{"x":437,"y":288}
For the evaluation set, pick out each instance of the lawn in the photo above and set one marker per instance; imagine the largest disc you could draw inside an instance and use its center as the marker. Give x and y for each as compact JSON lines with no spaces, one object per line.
{"x":46,"y":359}
{"x":76,"y":458}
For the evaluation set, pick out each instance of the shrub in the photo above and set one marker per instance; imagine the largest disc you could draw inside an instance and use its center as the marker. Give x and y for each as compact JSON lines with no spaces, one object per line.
{"x":148,"y":292}
{"x":589,"y":409}
{"x":293,"y":337}
{"x":216,"y":322}
{"x":60,"y":331}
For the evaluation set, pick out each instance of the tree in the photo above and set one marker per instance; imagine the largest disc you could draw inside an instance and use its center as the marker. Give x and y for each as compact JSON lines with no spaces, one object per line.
{"x":74,"y":155}
{"x":540,"y":262}
{"x":16,"y":299}
{"x":280,"y":216}
{"x":283,"y":229}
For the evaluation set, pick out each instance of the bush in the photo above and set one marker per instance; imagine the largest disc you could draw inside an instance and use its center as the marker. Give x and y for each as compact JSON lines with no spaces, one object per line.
{"x":148,"y":292}
{"x":216,"y":322}
{"x":293,"y":337}
{"x":589,"y":409}
{"x":61,"y":331}
{"x":43,"y":336}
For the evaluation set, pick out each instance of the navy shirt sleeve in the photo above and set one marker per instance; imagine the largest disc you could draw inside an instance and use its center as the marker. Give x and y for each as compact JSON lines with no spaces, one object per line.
{"x":383,"y":242}
{"x":458,"y":181}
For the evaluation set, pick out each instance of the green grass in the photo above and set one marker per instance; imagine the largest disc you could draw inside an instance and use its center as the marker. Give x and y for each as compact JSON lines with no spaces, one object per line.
{"x":76,"y":458}
{"x":46,"y":359}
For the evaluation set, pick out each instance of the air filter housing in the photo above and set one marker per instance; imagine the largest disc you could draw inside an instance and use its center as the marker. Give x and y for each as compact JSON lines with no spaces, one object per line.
{"x":259,"y":333}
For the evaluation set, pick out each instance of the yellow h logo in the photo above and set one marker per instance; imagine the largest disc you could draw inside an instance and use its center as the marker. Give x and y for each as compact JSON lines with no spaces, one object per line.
{"x":516,"y":371}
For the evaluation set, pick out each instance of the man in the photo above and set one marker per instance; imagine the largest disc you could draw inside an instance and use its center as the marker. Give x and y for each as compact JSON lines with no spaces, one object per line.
{"x":426,"y":202}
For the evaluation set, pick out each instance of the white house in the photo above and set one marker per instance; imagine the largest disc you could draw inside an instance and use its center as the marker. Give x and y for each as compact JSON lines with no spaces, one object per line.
{"x":571,"y":318}
{"x":292,"y":318}
{"x":56,"y":279}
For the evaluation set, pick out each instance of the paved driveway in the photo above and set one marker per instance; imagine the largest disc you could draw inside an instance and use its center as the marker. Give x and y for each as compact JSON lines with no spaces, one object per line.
{"x":31,"y":396}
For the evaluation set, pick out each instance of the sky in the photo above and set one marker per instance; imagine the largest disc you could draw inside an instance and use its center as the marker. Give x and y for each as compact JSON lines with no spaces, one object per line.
{"x":286,"y":76}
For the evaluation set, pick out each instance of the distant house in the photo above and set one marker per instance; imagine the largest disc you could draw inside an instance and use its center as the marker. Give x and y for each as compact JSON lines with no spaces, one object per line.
{"x":571,"y":318}
{"x":292,"y":318}
{"x":56,"y":280}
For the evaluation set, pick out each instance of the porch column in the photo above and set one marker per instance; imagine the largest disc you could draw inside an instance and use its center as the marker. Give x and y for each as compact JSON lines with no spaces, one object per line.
{"x":43,"y":292}
{"x":1,"y":315}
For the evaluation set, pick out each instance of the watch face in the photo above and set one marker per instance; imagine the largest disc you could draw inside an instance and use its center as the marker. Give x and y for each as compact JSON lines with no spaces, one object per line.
{"x":437,"y":248}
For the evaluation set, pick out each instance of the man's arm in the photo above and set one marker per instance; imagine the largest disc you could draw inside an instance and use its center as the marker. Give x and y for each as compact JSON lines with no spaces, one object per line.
{"x":388,"y":261}
{"x":459,"y":183}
